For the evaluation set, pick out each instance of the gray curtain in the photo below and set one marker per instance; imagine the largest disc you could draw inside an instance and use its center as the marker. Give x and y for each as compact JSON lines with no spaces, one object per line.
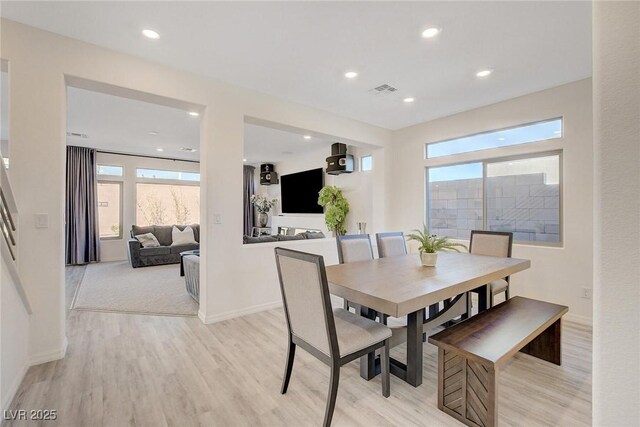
{"x":248,"y":190}
{"x":82,"y":240}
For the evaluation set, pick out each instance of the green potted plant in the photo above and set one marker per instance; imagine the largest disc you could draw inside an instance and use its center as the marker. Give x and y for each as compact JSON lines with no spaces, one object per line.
{"x":336,"y":208}
{"x":430,"y":245}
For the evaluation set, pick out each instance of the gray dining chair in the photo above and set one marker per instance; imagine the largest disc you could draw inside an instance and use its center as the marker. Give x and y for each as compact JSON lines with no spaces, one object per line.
{"x":354,"y":248}
{"x":334,"y":336}
{"x":391,"y":244}
{"x":497,"y":244}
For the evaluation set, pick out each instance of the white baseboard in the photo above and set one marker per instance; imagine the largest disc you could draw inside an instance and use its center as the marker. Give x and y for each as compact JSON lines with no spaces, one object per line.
{"x":13,"y":388}
{"x":49,"y":356}
{"x":576,"y":318}
{"x":237,"y":313}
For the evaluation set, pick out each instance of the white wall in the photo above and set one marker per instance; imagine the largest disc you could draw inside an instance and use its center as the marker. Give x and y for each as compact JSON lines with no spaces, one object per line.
{"x":39,"y":62}
{"x":14,"y":338}
{"x":557,"y":273}
{"x":116,"y":249}
{"x":357,"y":187}
{"x":616,"y":337}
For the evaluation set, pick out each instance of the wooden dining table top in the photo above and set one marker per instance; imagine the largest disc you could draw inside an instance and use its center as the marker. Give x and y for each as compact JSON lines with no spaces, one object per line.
{"x":400,"y":285}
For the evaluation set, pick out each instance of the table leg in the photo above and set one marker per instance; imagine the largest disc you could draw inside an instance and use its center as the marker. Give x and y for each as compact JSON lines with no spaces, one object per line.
{"x":483,"y":298}
{"x":367,"y":362}
{"x":414,"y":347}
{"x":181,"y":265}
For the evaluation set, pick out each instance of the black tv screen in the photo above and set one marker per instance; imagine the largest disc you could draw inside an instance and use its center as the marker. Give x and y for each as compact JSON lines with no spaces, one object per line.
{"x":299,"y":191}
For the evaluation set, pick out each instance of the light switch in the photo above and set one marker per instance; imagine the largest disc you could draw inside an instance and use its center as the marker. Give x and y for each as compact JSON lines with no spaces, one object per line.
{"x":42,"y":220}
{"x":217,"y":218}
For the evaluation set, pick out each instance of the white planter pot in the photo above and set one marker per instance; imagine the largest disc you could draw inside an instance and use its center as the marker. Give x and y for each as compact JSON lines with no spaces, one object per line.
{"x":428,"y":260}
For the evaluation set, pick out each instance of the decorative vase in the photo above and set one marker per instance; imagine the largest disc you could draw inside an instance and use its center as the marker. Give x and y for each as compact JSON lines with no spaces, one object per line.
{"x":263,"y":218}
{"x":428,"y":260}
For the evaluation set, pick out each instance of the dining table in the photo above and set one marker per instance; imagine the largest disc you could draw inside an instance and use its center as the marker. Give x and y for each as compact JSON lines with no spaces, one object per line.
{"x":401,"y":286}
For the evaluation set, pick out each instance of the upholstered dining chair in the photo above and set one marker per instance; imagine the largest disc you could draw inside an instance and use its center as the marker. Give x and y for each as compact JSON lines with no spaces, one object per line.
{"x":354,"y":248}
{"x":497,"y":244}
{"x":391,"y":244}
{"x":334,"y":336}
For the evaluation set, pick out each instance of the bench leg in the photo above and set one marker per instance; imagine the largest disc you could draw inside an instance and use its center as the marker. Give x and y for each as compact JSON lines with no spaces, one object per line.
{"x":546,"y":346}
{"x":467,"y":390}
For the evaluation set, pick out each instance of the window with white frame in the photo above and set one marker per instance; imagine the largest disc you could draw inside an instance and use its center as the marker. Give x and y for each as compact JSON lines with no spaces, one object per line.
{"x":366,"y":163}
{"x":109,"y":209}
{"x":167,"y":175}
{"x":520,"y":194}
{"x":167,"y":204}
{"x":523,"y":134}
{"x":109,"y":170}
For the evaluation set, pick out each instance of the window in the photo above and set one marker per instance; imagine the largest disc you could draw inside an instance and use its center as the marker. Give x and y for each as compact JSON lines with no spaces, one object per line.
{"x":366,"y":163}
{"x":455,"y":200}
{"x":110,"y":170}
{"x":166,"y":204}
{"x":110,"y":209}
{"x":539,"y":131}
{"x":520,"y":195}
{"x":165,"y":174}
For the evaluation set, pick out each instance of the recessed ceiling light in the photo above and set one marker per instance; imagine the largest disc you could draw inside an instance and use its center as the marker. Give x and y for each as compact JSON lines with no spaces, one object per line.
{"x":430,"y":32}
{"x":484,"y":73}
{"x":351,"y":74}
{"x":159,"y":149}
{"x":244,"y":160}
{"x":153,"y":132}
{"x":408,"y":99}
{"x":151,"y":34}
{"x":194,"y":113}
{"x":307,"y":137}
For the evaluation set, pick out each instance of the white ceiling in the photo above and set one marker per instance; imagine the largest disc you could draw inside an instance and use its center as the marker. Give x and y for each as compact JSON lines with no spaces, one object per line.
{"x":300,"y":50}
{"x":113,"y":123}
{"x":267,"y":145}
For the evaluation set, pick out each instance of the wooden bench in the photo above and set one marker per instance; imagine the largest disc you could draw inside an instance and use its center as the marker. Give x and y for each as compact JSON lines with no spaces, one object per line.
{"x":471,"y":352}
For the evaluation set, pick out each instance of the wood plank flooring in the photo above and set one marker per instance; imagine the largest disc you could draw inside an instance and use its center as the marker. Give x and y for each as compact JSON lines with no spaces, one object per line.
{"x":135,"y":370}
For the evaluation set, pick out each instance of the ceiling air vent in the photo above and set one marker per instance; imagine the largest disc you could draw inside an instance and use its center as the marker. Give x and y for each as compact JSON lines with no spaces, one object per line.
{"x":77,"y":135}
{"x":383,"y":89}
{"x":188,"y":149}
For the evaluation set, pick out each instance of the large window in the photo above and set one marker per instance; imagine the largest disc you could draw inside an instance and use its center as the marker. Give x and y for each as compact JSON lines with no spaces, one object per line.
{"x":167,"y":174}
{"x":520,"y":195}
{"x":110,"y":209}
{"x":533,"y":132}
{"x":166,"y":204}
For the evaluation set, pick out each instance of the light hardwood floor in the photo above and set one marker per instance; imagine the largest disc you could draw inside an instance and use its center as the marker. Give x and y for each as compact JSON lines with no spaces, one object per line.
{"x":126,"y":370}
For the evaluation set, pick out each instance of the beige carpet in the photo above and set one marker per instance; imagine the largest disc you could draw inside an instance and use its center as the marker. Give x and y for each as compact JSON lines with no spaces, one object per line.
{"x":117,"y":287}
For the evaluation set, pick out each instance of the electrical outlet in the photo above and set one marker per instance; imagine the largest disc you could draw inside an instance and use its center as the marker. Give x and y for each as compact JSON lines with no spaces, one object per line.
{"x":585,"y":293}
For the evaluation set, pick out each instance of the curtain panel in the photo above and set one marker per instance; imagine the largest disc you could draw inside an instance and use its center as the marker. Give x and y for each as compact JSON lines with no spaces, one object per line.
{"x":248,"y":190}
{"x":82,"y":240}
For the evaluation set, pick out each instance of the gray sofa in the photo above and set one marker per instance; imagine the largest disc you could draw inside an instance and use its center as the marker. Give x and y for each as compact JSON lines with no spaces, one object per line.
{"x":164,"y":254}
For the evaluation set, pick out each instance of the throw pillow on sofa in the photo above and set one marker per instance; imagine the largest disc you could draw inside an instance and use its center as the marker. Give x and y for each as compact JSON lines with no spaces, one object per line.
{"x":184,"y":237}
{"x":148,"y":240}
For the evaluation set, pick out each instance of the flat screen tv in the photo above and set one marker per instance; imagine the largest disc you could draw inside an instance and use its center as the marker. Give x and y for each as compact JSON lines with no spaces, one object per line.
{"x":299,"y":192}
